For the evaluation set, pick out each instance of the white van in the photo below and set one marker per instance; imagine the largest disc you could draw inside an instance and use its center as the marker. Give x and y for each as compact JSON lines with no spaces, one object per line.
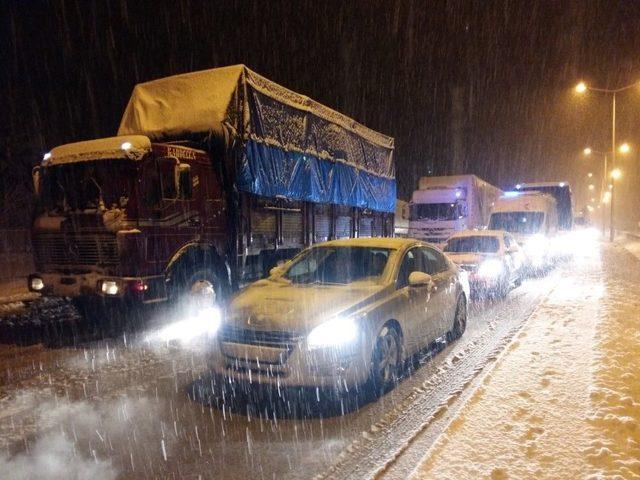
{"x":532,"y":218}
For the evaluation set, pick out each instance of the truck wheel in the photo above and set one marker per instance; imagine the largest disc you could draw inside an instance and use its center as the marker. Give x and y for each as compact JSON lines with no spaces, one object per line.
{"x":200,"y":289}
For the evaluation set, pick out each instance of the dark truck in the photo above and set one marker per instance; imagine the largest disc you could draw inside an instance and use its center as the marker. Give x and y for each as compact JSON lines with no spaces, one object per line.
{"x":214,"y":177}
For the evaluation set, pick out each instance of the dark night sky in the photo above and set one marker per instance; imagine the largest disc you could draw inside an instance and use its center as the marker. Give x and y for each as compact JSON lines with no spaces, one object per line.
{"x":497,"y":73}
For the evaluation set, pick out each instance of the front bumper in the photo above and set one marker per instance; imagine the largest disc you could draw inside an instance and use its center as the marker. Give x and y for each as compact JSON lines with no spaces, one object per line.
{"x":142,"y":289}
{"x":291,"y":366}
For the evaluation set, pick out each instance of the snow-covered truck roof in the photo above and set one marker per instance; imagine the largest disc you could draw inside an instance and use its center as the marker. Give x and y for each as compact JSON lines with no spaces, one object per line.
{"x":132,"y":147}
{"x":524,"y":201}
{"x":293,"y":146}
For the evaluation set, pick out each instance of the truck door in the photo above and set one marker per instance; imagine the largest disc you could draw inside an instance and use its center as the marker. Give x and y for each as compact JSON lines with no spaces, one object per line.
{"x":173,"y":217}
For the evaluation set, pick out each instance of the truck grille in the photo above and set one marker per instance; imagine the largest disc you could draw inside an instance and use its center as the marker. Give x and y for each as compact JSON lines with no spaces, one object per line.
{"x":86,"y":249}
{"x":229,"y":333}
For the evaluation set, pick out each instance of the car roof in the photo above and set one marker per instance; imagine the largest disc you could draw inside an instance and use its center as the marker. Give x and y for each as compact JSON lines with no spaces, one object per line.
{"x":376,"y":242}
{"x":478,"y":233}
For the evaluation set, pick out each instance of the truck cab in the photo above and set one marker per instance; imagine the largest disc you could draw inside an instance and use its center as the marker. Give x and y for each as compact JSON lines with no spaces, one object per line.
{"x":112,"y":212}
{"x":531,"y":217}
{"x":436,"y":213}
{"x":447,"y":204}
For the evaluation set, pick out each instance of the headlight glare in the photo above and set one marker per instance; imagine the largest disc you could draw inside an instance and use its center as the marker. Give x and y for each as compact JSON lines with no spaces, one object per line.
{"x":490,"y":268}
{"x":110,"y":287}
{"x":333,"y":333}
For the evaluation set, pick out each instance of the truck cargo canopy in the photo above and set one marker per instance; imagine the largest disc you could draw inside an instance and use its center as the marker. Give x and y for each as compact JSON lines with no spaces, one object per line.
{"x":293,"y":146}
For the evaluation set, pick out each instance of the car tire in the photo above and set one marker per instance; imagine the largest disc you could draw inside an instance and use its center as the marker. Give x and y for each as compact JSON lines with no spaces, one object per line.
{"x":386,"y":360}
{"x":459,"y":320}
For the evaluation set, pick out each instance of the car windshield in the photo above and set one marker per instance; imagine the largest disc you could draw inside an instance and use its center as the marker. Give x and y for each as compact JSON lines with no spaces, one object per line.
{"x":84,"y":185}
{"x":476,"y":244}
{"x":435,"y":211}
{"x":338,"y":265}
{"x":517,"y":222}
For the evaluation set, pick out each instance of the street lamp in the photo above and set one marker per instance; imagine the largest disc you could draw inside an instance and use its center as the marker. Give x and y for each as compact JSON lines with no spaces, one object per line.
{"x":625,"y":148}
{"x":592,"y":187}
{"x":615,"y":174}
{"x":582,"y":88}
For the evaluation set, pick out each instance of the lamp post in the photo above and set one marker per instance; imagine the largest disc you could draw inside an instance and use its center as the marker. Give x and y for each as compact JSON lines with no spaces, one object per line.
{"x":606,"y":195}
{"x":582,"y":88}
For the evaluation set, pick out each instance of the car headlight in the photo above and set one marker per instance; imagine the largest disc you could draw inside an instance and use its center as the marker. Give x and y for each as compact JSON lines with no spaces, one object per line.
{"x":490,"y":268}
{"x":333,"y":333}
{"x":536,"y":245}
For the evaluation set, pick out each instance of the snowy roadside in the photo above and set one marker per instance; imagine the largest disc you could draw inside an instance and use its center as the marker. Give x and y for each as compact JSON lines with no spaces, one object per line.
{"x":562,"y":401}
{"x":633,"y":246}
{"x":13,"y":294}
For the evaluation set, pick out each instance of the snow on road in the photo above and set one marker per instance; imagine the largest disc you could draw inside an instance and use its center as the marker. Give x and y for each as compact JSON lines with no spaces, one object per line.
{"x":562,"y":400}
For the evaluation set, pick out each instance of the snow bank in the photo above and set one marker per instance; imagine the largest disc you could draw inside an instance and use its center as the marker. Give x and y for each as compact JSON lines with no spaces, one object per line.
{"x":563,"y":400}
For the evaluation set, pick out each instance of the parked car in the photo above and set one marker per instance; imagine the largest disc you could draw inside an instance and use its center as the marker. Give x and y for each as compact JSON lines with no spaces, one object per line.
{"x":492,"y":258}
{"x":340,"y":314}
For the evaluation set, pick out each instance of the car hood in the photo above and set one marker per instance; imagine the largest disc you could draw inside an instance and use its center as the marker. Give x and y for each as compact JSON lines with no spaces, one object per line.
{"x":470,"y":258}
{"x":278,"y":306}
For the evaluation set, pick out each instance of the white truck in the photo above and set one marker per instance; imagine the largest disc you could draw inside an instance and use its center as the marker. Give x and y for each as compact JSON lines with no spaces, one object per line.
{"x":532,"y":218}
{"x":444,"y":205}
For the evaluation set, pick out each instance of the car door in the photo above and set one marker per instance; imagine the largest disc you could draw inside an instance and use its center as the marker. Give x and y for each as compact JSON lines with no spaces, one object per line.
{"x":443,"y":296}
{"x":414,"y":303}
{"x":514,"y":254}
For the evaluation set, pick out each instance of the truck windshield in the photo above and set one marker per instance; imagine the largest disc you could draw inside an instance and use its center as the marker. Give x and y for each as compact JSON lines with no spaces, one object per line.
{"x":476,"y":244}
{"x":338,"y":265}
{"x":84,"y":185}
{"x":435,"y":211}
{"x":517,"y":222}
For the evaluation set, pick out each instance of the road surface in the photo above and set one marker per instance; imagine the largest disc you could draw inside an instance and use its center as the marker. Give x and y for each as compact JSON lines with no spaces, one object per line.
{"x":139,"y":407}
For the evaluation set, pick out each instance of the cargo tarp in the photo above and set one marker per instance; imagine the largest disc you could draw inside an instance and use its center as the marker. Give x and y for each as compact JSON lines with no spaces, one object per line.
{"x":293,"y":146}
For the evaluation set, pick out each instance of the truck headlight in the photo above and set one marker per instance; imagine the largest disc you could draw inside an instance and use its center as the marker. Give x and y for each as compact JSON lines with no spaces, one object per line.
{"x":333,"y":333}
{"x":109,"y":287}
{"x":36,"y":284}
{"x":490,"y":268}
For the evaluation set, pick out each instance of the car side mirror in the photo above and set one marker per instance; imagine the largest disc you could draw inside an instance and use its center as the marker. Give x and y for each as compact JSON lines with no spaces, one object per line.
{"x":184,"y":181}
{"x":277,"y":270}
{"x":420,"y":279}
{"x":36,"y":176}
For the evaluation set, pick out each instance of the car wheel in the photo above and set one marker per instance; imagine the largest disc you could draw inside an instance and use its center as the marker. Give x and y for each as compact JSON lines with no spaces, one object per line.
{"x":459,"y":321}
{"x":386,"y":360}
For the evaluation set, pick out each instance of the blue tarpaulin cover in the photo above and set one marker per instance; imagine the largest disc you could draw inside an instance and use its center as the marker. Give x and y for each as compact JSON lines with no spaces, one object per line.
{"x":290,"y":145}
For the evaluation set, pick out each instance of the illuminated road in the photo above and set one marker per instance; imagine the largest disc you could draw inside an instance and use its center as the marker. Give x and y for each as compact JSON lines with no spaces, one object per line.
{"x":133,"y":408}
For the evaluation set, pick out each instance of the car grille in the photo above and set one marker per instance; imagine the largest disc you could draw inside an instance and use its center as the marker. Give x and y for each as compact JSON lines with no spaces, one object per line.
{"x":229,"y":333}
{"x":86,"y":249}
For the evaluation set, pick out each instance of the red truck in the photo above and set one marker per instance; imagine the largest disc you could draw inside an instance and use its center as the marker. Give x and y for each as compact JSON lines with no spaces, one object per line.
{"x":214,"y":177}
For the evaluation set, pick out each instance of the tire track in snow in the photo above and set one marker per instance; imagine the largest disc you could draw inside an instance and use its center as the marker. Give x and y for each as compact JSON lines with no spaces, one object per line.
{"x":376,"y":451}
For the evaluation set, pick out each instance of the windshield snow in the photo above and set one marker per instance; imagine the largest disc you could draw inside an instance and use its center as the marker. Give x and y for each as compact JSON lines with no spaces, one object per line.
{"x":517,"y":222}
{"x":477,"y":244}
{"x":435,"y":211}
{"x":80,"y":186}
{"x":338,"y":265}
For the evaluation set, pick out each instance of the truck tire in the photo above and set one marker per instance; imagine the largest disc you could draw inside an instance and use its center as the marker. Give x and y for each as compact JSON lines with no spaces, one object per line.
{"x":200,"y":288}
